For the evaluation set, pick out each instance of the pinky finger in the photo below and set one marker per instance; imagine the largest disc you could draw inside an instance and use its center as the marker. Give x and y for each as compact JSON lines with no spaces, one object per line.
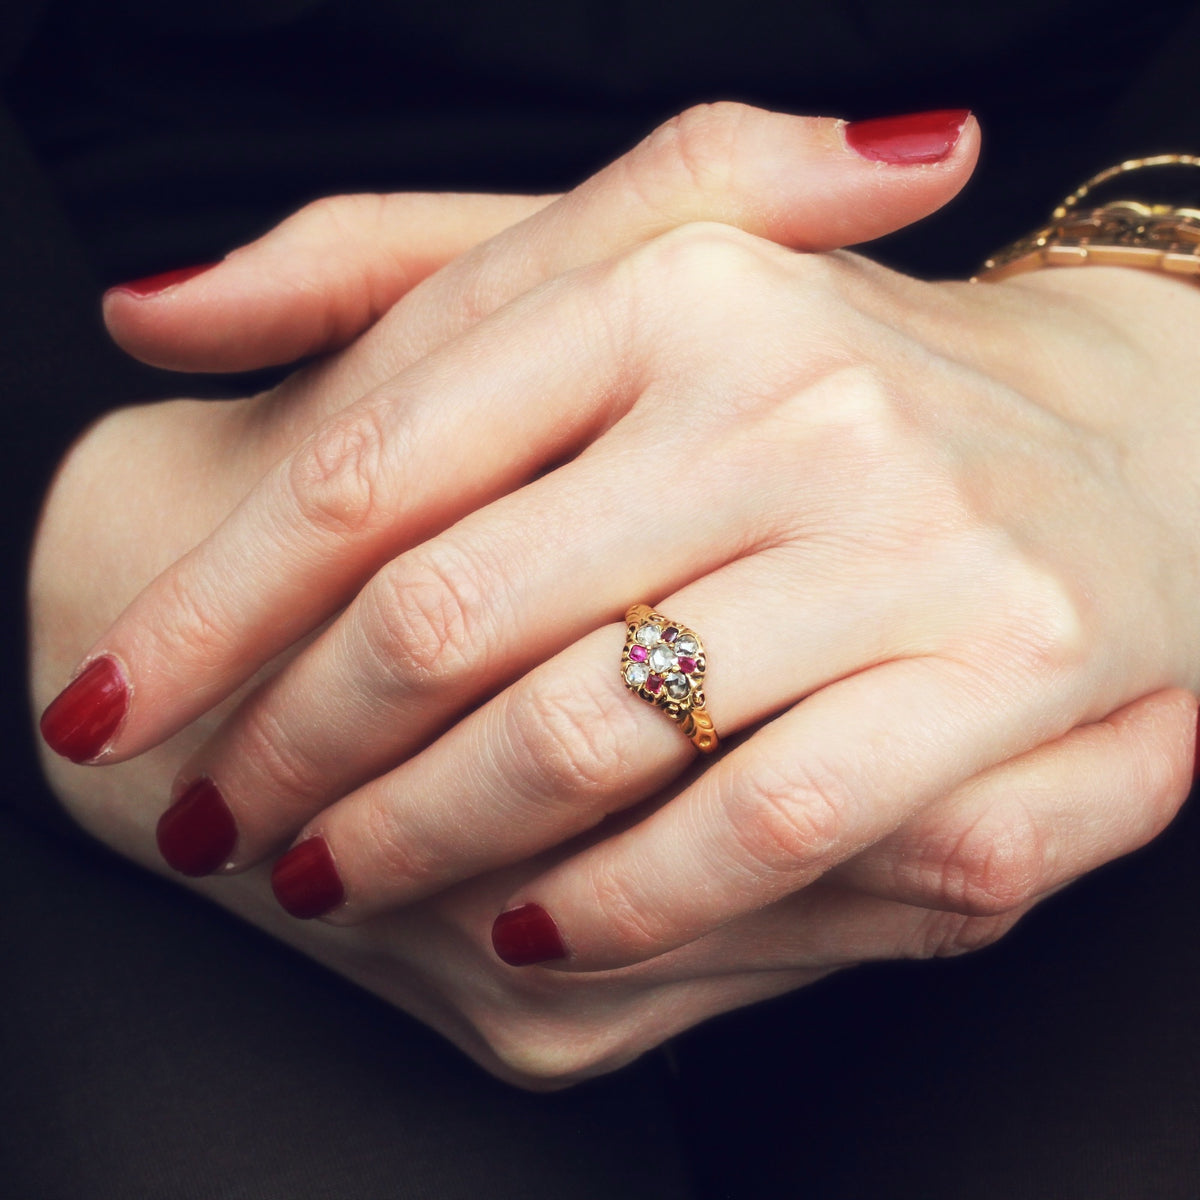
{"x":1039,"y":821}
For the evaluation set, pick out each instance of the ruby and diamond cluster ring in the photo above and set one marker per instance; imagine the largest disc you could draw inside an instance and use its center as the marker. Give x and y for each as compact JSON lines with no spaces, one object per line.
{"x":663,"y":662}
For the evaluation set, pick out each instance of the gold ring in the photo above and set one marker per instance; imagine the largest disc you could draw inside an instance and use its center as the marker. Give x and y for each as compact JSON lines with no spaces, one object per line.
{"x":663,"y":662}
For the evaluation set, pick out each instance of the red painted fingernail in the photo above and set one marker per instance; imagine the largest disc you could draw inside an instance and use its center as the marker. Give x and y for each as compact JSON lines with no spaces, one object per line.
{"x":916,"y":138}
{"x":305,"y":880}
{"x":196,"y":835}
{"x":152,"y":285}
{"x":527,"y":935}
{"x":83,"y":718}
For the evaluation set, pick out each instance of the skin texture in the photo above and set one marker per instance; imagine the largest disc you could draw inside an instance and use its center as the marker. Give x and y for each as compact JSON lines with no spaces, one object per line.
{"x":950,"y":505}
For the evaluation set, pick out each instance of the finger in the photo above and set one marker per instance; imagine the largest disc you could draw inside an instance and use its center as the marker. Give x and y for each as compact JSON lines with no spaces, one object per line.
{"x":830,"y":777}
{"x":1039,"y":821}
{"x":310,"y":285}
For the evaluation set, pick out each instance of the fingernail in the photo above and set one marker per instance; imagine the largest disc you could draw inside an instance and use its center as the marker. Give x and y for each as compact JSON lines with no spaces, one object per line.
{"x":527,"y":935}
{"x":306,"y":882}
{"x":83,"y":718}
{"x":196,"y":835}
{"x":152,"y":285}
{"x":915,"y":138}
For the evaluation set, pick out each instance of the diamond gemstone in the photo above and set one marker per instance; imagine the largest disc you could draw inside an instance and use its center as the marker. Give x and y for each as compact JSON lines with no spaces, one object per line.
{"x":636,"y":674}
{"x":687,"y":645}
{"x":677,"y":686}
{"x":648,"y":634}
{"x":662,"y":657}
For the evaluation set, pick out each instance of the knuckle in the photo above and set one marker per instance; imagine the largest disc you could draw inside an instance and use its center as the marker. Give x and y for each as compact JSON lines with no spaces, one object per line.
{"x":866,"y":416}
{"x":949,"y":935}
{"x":697,"y":259}
{"x":992,"y":867}
{"x":194,"y":625}
{"x":702,"y":142}
{"x":794,"y":822}
{"x":693,"y":278}
{"x":338,"y":218}
{"x":568,"y":742}
{"x":633,"y":925}
{"x":384,"y":826}
{"x":335,"y":477}
{"x":425,"y":619}
{"x":1050,"y":621}
{"x":281,"y":765}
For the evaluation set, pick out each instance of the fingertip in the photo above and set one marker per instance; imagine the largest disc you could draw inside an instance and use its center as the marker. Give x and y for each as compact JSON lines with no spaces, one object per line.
{"x":306,"y":881}
{"x":822,"y":183}
{"x":197,"y":834}
{"x":82,"y":721}
{"x":526,"y":936}
{"x":159,"y":319}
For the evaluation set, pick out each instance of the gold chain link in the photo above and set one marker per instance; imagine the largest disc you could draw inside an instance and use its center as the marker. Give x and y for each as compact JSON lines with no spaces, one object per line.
{"x":1122,"y":233}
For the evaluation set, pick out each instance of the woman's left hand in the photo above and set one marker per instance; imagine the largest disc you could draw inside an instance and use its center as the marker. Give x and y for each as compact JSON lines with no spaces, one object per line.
{"x":932,"y":535}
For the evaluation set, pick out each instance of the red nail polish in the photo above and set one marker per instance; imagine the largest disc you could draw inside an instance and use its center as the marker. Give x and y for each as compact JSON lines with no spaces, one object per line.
{"x":527,"y":935}
{"x":83,"y":718}
{"x":152,"y":285}
{"x":916,"y":138}
{"x":196,"y":835}
{"x":305,"y":880}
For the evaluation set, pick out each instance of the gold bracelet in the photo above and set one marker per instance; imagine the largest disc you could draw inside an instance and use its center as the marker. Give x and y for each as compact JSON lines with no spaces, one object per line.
{"x":1121,"y":233}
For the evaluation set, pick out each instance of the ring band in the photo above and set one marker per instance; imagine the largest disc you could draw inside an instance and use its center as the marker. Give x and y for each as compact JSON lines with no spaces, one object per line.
{"x":663,"y":662}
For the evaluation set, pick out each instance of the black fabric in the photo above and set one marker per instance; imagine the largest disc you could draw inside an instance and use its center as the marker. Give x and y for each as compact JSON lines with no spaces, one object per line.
{"x":154,"y":1047}
{"x":1062,"y":1062}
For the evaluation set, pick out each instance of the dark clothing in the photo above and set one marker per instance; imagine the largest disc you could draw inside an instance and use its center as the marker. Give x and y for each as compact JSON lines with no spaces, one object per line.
{"x":151,"y":1045}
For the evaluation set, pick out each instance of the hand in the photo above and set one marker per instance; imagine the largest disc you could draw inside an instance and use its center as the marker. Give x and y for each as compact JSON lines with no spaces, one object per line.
{"x":900,"y":483}
{"x":516,"y":1024}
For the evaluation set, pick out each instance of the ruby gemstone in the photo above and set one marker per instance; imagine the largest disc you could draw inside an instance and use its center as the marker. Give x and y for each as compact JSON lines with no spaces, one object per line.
{"x":687,"y":665}
{"x":654,"y":683}
{"x":638,"y":653}
{"x":670,"y":633}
